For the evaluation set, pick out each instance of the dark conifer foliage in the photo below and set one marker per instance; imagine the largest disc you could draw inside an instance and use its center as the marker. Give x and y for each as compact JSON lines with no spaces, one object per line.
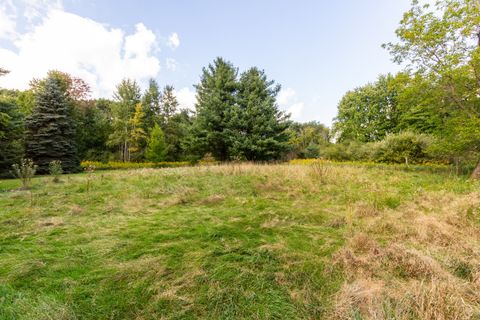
{"x":50,"y":131}
{"x":216,"y":98}
{"x":258,"y":125}
{"x":11,"y":136}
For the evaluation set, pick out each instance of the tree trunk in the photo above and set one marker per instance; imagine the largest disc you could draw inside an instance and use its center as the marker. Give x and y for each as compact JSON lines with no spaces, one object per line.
{"x":476,"y":173}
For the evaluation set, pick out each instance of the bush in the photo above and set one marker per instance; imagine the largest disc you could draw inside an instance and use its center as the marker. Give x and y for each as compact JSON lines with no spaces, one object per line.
{"x":113,"y":165}
{"x":406,"y":147}
{"x":348,"y":151}
{"x":55,"y":168}
{"x":24,"y":171}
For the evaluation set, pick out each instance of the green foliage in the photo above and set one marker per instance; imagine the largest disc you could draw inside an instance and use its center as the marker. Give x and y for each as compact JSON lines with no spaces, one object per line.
{"x":216,"y":99}
{"x":11,"y":133}
{"x":347,"y":151}
{"x":156,"y":147}
{"x":257,"y":127}
{"x":238,"y":118}
{"x":307,"y":140}
{"x":50,"y":130}
{"x":25,"y":170}
{"x":442,"y":44}
{"x":177,"y":131}
{"x":138,"y":136}
{"x":421,"y":106}
{"x":368,"y":113}
{"x":120,"y":165}
{"x":93,"y":127}
{"x":56,"y":170}
{"x":127,"y":96}
{"x":405,"y":147}
{"x":168,"y":105}
{"x":151,"y":106}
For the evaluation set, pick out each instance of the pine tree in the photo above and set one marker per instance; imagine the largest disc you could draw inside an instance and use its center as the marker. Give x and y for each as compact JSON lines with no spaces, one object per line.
{"x":215,"y":102}
{"x":168,"y":104}
{"x":259,"y":127}
{"x":156,"y":148}
{"x":151,"y":105}
{"x":50,"y":131}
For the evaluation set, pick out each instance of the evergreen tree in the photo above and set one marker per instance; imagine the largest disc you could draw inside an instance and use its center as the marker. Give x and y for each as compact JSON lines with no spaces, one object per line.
{"x":151,"y":105}
{"x":177,"y":131}
{"x":50,"y":131}
{"x":11,"y":134}
{"x":168,"y":104}
{"x":156,"y":148}
{"x":215,"y":101}
{"x":257,"y":124}
{"x":93,"y":128}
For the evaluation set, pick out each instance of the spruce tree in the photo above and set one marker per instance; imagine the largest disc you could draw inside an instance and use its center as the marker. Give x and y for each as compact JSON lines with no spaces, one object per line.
{"x":50,"y":130}
{"x":151,"y":105}
{"x":168,"y":104}
{"x":215,"y":103}
{"x":259,"y":127}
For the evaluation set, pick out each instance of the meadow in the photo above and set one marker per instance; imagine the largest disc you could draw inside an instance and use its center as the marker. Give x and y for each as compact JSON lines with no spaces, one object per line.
{"x":312,"y":240}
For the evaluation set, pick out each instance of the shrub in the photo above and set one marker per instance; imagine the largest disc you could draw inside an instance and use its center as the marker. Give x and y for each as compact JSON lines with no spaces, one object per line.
{"x":114,"y":165}
{"x":24,"y":171}
{"x":347,"y":151}
{"x":56,"y":170}
{"x":406,"y":147}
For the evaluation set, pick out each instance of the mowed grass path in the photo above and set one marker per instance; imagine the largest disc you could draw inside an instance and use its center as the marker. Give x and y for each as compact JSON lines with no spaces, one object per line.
{"x":232,"y":242}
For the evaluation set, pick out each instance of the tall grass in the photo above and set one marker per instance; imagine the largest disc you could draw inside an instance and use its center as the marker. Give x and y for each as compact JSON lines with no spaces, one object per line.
{"x":242,"y":241}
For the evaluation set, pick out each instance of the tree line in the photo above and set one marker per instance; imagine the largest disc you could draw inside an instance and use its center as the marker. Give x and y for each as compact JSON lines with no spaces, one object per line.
{"x":428,"y":112}
{"x":236,"y":117}
{"x":431,"y":110}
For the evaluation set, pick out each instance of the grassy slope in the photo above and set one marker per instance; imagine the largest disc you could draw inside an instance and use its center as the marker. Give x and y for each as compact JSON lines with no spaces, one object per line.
{"x":242,"y":241}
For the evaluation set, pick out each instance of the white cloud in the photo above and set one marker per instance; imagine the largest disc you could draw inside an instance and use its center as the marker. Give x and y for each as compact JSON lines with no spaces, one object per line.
{"x":287,"y":101}
{"x":296,"y":110}
{"x":7,"y":20}
{"x":99,"y":54}
{"x":186,"y":98}
{"x":173,"y":41}
{"x":35,"y":9}
{"x":171,"y":64}
{"x":285,"y":95}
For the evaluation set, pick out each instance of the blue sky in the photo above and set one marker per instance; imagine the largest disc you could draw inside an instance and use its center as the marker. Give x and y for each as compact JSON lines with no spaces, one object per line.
{"x":317,"y":50}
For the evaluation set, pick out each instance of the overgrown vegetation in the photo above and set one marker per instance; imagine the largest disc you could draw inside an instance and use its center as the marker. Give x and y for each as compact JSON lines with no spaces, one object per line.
{"x":56,"y":170}
{"x":308,"y":241}
{"x":24,"y":171}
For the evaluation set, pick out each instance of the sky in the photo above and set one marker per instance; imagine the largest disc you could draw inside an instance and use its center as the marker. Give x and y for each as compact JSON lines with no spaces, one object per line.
{"x":316,"y":50}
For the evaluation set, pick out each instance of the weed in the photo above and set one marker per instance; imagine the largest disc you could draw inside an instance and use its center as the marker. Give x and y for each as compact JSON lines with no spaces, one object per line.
{"x":55,"y":168}
{"x":24,"y":171}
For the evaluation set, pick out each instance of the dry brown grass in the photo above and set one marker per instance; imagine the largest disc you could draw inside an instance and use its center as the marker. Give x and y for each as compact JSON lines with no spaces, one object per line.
{"x":419,"y":261}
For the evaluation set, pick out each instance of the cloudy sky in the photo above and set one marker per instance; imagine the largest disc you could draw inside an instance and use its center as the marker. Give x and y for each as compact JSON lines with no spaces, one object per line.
{"x":316,"y":49}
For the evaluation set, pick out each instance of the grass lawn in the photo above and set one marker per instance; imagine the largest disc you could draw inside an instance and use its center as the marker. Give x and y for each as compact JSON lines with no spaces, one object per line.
{"x":325,"y":241}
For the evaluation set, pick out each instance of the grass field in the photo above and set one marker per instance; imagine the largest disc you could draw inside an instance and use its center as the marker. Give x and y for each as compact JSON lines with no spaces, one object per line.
{"x":324,"y":241}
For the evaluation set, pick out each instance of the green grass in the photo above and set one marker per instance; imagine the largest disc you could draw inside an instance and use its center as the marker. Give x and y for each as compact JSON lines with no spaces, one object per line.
{"x":224,"y":242}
